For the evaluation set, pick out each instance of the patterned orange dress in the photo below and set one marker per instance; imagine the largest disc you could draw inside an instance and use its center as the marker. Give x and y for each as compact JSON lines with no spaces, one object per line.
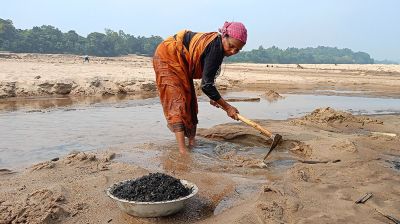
{"x":175,"y":68}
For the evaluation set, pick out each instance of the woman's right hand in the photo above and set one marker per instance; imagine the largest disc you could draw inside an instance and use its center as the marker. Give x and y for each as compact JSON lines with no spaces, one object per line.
{"x":232,"y":112}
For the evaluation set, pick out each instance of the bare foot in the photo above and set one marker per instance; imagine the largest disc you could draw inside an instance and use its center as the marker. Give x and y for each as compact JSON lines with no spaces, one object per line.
{"x":183,"y":151}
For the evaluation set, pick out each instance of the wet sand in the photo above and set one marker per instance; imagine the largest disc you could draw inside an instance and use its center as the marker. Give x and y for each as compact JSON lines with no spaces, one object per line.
{"x":327,"y":161}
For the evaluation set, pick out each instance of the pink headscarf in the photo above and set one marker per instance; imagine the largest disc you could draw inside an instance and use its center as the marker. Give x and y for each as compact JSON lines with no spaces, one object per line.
{"x":234,"y":29}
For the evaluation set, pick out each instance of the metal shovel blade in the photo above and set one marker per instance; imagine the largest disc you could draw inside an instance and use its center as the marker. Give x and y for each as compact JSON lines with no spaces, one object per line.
{"x":276,"y":138}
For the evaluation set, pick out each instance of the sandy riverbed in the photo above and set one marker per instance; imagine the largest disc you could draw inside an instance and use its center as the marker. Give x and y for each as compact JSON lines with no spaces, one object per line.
{"x":353,"y":155}
{"x":25,"y":75}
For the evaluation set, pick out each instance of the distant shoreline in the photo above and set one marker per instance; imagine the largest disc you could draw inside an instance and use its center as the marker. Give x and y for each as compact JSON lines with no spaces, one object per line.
{"x":31,"y":75}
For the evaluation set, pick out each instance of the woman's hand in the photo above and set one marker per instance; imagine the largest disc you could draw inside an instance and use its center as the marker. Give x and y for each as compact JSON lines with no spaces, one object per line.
{"x":232,"y":112}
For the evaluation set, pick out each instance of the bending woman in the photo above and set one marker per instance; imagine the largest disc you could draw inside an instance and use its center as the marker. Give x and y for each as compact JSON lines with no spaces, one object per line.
{"x":190,"y":55}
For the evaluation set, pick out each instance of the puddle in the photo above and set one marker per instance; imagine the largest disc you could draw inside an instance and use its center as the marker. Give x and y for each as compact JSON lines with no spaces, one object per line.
{"x":396,"y":164}
{"x":393,"y":161}
{"x":282,"y":163}
{"x":32,"y":131}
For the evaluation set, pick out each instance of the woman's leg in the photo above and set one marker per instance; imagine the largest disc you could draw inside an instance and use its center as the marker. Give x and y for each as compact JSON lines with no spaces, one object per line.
{"x":173,"y":86}
{"x":180,"y":138}
{"x":192,"y":140}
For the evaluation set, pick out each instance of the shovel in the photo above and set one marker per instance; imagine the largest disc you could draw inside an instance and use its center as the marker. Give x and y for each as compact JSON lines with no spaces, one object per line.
{"x":276,"y":138}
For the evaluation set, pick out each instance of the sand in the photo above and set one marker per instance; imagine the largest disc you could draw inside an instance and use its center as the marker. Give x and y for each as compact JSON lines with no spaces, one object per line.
{"x":353,"y":155}
{"x":24,"y":75}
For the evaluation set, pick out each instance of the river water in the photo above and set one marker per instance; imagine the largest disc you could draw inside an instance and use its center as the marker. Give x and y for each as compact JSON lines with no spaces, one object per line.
{"x":44,"y":128}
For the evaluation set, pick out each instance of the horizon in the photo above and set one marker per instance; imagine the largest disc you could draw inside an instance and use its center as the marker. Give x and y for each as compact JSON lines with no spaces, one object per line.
{"x":340,"y":24}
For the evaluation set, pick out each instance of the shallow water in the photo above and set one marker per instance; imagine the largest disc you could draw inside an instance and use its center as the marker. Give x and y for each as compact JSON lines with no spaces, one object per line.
{"x":29,"y":135}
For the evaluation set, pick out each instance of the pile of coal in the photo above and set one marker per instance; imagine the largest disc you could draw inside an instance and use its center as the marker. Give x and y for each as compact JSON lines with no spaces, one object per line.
{"x":151,"y":188}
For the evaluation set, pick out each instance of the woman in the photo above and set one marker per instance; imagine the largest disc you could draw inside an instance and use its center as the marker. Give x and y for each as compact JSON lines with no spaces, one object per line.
{"x":186,"y":56}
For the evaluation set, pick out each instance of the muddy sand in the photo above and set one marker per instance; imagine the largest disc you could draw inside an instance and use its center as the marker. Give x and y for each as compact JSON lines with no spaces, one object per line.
{"x":327,"y":160}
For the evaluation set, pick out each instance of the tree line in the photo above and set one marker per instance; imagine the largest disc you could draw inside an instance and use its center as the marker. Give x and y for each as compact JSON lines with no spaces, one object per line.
{"x":309,"y":55}
{"x":49,"y":39}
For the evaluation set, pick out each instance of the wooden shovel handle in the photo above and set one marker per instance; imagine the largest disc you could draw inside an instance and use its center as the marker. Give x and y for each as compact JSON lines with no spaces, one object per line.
{"x":255,"y":125}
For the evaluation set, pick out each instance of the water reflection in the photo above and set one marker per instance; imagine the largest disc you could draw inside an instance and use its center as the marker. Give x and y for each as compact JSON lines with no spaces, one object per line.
{"x":42,"y":103}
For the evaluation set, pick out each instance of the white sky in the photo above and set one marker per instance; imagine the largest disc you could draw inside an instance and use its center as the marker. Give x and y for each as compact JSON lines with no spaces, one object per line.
{"x":371,"y":26}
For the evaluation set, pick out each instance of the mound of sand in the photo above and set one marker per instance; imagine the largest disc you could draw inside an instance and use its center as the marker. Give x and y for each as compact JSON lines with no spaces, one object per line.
{"x":235,"y":133}
{"x":272,"y":95}
{"x":345,"y":145}
{"x":329,"y":115}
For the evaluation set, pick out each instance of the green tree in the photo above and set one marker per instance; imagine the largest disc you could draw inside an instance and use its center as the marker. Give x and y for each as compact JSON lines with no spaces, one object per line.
{"x":48,"y":39}
{"x":318,"y":55}
{"x":150,"y":45}
{"x":100,"y":45}
{"x":8,"y":34}
{"x":73,"y":43}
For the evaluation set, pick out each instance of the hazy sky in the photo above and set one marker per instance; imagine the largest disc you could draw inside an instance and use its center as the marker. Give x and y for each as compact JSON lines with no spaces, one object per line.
{"x":361,"y":25}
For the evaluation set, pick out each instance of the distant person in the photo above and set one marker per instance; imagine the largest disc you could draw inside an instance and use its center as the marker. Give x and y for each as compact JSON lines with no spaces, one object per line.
{"x":191,"y":55}
{"x":86,"y":58}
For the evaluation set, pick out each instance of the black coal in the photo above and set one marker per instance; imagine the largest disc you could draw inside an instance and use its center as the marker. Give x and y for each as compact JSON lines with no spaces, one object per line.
{"x":151,"y":188}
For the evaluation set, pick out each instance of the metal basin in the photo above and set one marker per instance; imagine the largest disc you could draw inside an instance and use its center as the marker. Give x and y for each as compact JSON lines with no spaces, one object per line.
{"x":152,"y":209}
